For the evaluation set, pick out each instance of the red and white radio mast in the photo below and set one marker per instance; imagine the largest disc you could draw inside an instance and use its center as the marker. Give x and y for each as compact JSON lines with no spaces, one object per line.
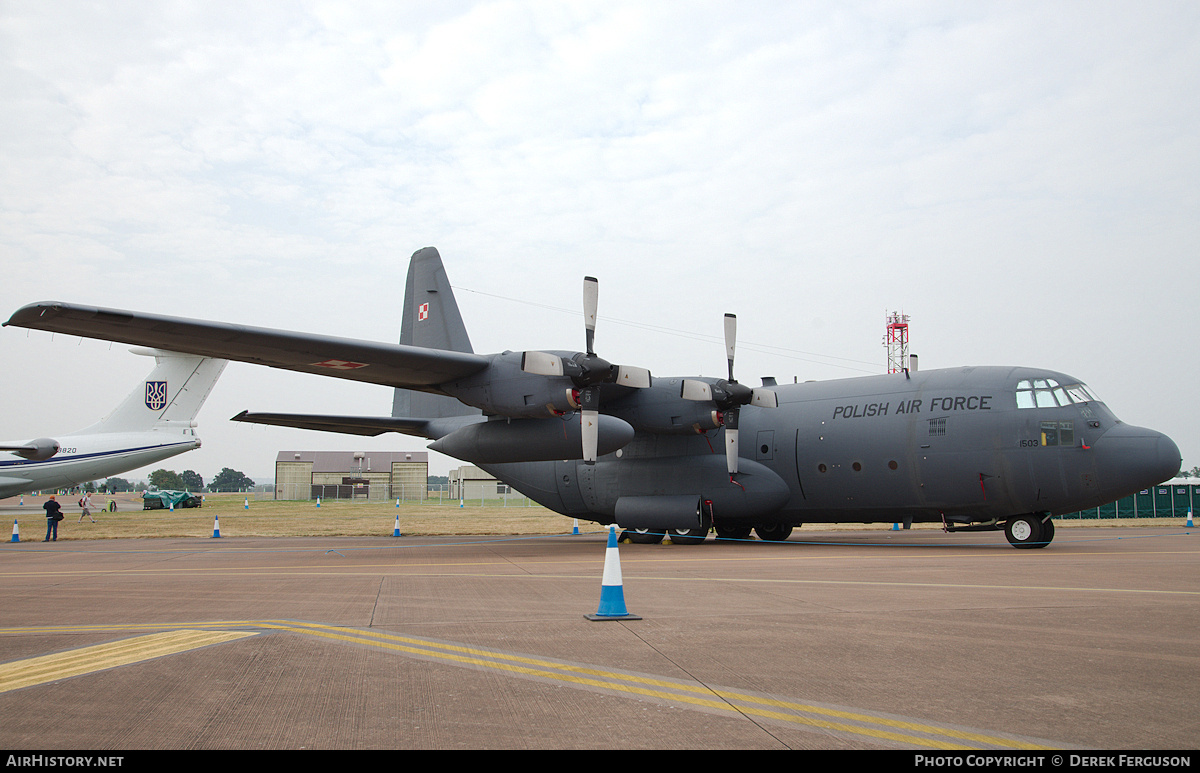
{"x":896,"y":341}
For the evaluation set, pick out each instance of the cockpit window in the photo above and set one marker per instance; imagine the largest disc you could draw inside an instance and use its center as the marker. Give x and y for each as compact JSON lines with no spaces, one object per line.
{"x":1048,"y":393}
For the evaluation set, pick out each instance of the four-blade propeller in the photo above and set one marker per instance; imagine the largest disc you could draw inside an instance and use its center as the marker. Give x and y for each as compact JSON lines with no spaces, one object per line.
{"x":587,"y":372}
{"x":729,"y":396}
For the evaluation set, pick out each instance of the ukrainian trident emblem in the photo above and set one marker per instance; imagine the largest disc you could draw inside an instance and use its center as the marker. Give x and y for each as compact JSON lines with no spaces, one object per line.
{"x":156,"y":395}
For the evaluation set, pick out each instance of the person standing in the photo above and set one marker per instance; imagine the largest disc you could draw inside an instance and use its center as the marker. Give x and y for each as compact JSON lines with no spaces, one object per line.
{"x":53,"y":516}
{"x":86,"y":504}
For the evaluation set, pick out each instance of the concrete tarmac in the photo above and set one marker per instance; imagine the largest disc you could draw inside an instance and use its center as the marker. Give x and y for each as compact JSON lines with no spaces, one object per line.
{"x":832,"y":640}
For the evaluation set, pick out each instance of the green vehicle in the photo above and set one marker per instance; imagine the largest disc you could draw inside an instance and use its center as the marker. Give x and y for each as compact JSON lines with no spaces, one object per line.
{"x":162,"y":500}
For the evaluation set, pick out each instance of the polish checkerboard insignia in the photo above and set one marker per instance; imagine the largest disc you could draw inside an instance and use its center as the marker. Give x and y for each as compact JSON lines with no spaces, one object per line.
{"x":423,"y":312}
{"x":156,"y":395}
{"x":340,"y":365}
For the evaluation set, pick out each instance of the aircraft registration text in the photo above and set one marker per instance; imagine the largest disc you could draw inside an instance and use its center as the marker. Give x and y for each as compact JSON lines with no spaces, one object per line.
{"x":936,"y":405}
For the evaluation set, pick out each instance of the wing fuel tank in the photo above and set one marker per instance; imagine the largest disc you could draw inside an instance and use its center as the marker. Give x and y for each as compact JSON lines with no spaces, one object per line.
{"x":530,"y":440}
{"x":665,"y":512}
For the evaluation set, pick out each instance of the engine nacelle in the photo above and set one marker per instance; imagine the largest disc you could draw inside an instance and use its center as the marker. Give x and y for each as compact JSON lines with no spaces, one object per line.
{"x":530,"y":440}
{"x":661,"y":410}
{"x":39,"y":450}
{"x":504,"y":389}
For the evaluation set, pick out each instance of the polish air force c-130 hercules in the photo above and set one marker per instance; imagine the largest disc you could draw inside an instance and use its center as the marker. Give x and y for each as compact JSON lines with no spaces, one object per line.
{"x":973,"y":448}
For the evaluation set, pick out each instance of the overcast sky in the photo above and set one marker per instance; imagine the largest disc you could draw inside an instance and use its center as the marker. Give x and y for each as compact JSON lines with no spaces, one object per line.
{"x":1022,"y":179}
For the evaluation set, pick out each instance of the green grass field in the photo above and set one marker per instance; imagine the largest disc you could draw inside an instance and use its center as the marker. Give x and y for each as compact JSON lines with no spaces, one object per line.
{"x":271,"y":518}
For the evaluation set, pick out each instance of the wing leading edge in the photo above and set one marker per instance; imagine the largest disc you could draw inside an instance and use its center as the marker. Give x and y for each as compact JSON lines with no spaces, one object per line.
{"x":395,"y":365}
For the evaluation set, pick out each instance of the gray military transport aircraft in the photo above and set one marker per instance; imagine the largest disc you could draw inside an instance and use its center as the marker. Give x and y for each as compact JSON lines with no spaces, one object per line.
{"x":973,"y":448}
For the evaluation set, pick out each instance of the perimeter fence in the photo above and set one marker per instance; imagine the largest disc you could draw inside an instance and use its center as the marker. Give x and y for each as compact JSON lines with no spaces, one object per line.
{"x":476,"y":494}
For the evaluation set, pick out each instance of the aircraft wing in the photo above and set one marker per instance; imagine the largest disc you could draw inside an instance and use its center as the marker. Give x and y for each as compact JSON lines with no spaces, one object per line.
{"x":394,"y":365}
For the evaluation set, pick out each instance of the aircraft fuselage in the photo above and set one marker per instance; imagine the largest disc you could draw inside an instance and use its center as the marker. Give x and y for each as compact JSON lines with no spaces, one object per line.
{"x":83,"y":458}
{"x":941,"y":445}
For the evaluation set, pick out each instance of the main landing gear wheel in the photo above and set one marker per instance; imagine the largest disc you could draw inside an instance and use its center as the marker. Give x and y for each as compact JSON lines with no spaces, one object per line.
{"x":1047,"y":534}
{"x":688,"y":536}
{"x":733,"y":532}
{"x":643,"y":536}
{"x":774,"y":532}
{"x":1026,"y":531}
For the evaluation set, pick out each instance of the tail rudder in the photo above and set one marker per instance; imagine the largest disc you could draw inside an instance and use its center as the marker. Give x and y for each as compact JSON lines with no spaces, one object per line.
{"x":432,"y":320}
{"x":431,"y":316}
{"x":172,"y":394}
{"x":189,"y":399}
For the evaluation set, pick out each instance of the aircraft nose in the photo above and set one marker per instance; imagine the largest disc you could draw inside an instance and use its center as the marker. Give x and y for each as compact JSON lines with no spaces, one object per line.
{"x":1130,"y":459}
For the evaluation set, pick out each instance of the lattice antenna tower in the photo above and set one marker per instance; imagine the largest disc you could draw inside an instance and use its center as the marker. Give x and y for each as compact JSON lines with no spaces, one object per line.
{"x":896,"y":340}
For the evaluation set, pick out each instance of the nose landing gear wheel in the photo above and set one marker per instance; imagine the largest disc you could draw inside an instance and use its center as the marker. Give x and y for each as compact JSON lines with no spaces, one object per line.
{"x":1026,"y":532}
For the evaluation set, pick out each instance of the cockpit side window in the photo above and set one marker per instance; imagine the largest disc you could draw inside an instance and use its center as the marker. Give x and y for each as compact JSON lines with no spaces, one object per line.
{"x":1048,"y":393}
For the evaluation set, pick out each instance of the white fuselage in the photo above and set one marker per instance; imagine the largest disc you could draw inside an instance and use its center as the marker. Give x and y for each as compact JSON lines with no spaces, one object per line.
{"x":83,"y":458}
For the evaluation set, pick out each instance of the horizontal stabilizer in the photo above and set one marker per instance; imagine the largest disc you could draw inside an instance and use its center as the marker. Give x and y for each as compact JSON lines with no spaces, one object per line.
{"x":371,"y":426}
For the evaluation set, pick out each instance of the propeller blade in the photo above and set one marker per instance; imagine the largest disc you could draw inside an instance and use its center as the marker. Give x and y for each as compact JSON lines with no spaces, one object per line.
{"x":541,"y":363}
{"x":731,"y":440}
{"x":591,"y":298}
{"x":730,"y":340}
{"x":589,"y":422}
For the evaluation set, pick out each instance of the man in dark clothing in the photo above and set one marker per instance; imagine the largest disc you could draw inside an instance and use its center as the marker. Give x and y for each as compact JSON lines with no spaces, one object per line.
{"x":53,"y":516}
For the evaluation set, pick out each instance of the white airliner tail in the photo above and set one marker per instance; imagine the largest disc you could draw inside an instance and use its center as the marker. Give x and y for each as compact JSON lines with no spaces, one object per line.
{"x":170,"y":396}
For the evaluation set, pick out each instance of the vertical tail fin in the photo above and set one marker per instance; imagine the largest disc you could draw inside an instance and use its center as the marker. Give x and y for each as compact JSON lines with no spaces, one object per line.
{"x":432,"y":320}
{"x":172,"y":393}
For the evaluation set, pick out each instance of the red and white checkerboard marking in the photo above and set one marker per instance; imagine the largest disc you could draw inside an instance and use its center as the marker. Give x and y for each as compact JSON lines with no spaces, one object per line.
{"x":340,"y":365}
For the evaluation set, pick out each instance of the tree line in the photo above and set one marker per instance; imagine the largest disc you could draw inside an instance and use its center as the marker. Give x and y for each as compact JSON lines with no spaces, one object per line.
{"x":189,"y":480}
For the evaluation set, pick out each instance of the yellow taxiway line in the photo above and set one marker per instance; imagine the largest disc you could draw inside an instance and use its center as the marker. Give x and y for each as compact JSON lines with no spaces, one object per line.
{"x":50,"y":668}
{"x":849,"y":723}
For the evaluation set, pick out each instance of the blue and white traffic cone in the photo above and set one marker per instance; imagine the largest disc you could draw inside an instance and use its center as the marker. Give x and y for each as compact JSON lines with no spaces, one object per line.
{"x":612,"y":594}
{"x":1189,"y":520}
{"x":247,"y":503}
{"x":396,"y":531}
{"x":216,"y":526}
{"x":575,"y":527}
{"x":16,"y":532}
{"x":318,"y":501}
{"x":895,"y":527}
